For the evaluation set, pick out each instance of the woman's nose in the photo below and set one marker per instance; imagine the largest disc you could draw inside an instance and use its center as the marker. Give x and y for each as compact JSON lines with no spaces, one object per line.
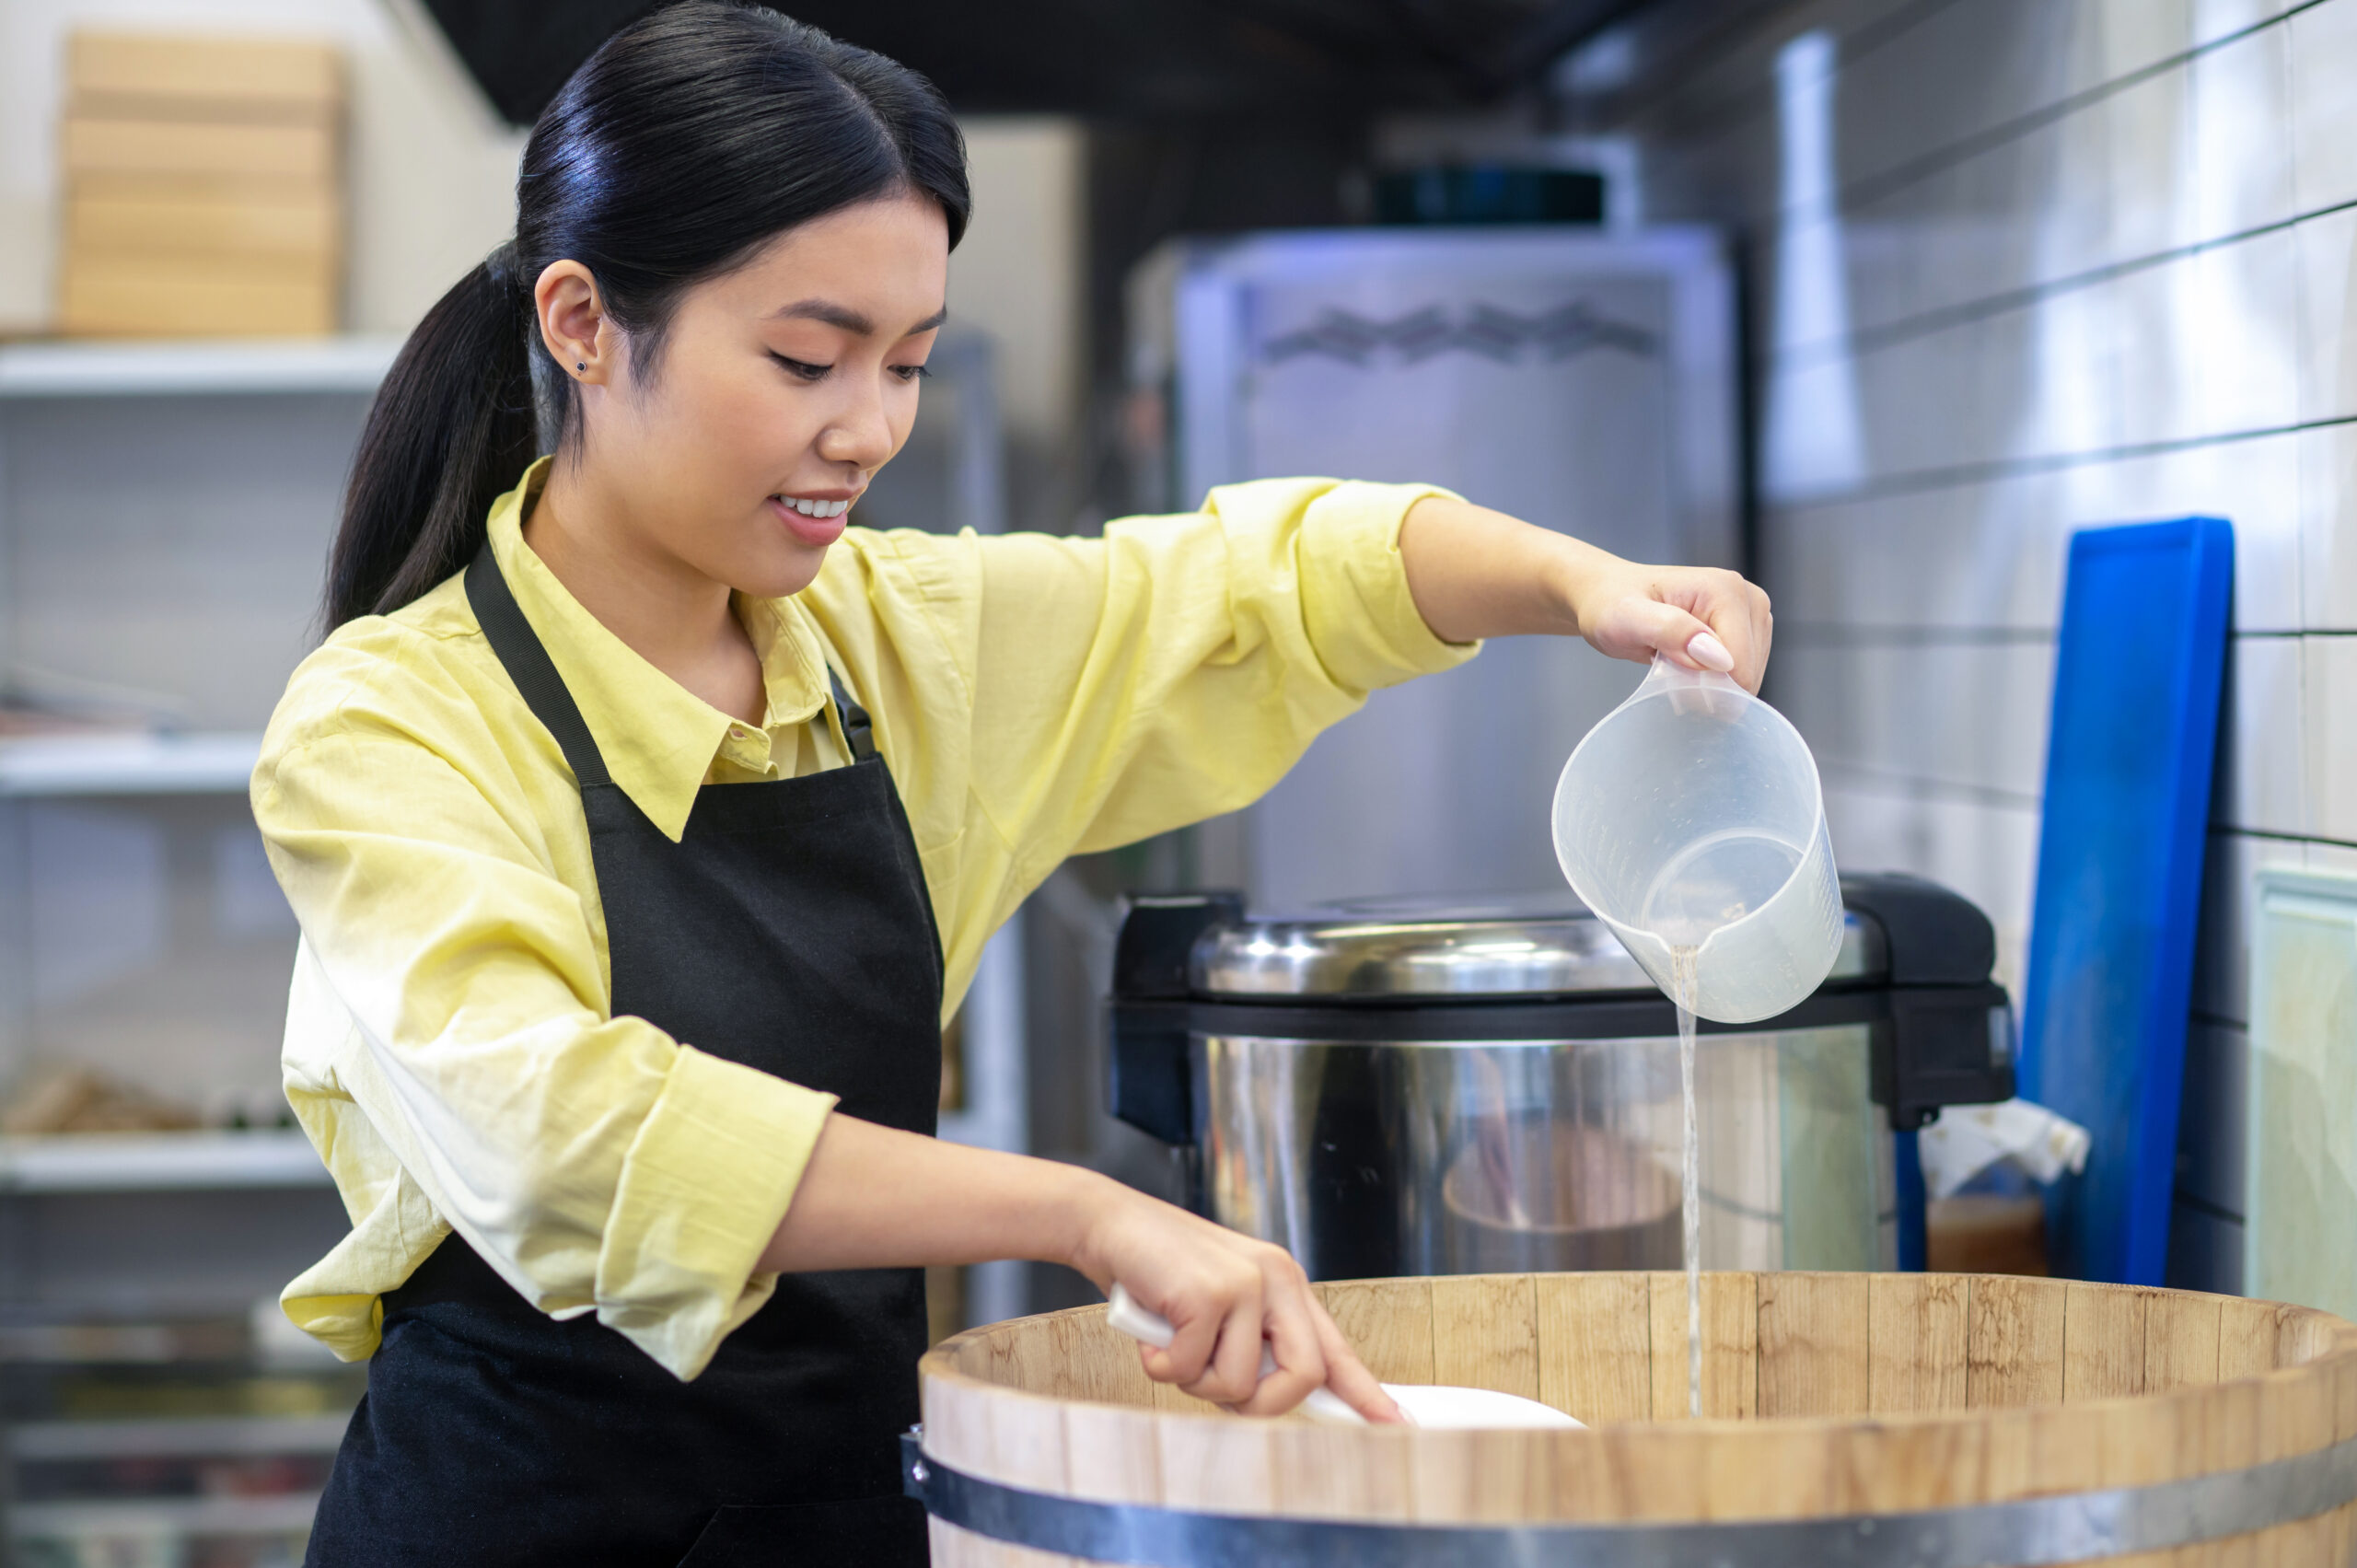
{"x":859,"y":434}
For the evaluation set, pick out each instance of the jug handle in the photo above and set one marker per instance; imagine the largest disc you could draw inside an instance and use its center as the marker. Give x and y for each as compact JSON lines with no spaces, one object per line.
{"x":1667,"y":675}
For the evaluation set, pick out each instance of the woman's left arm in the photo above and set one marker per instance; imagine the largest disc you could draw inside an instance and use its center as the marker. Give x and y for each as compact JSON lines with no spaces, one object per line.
{"x":1477,"y":574}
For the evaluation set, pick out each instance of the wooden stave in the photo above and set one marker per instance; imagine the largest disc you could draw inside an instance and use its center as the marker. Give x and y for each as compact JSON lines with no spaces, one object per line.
{"x":1775,"y":1466}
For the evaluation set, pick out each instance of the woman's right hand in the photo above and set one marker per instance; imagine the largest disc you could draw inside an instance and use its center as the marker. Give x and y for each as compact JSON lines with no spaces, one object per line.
{"x":1222,"y":1294}
{"x":880,"y":1198}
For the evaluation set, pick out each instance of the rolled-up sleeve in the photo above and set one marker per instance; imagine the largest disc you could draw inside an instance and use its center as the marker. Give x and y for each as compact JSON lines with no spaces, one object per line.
{"x":1357,"y":614}
{"x":595,"y":1163}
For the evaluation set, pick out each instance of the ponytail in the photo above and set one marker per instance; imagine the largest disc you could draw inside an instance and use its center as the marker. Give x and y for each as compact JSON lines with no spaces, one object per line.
{"x":691,"y":139}
{"x":451,"y":428}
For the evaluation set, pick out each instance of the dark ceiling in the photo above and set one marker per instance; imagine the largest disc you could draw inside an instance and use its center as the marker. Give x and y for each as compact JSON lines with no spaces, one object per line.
{"x":1118,"y":59}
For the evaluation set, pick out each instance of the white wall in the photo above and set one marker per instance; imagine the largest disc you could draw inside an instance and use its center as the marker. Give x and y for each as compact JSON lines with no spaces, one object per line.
{"x":1019,"y":273}
{"x":2096,"y":266}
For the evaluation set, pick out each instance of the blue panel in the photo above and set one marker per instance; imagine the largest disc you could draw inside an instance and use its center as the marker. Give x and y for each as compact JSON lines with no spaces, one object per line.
{"x":2136,"y":676}
{"x":1913,"y":1239}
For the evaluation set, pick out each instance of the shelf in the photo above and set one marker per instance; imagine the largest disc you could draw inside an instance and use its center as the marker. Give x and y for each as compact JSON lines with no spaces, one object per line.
{"x":254,"y":366}
{"x":152,"y":1162}
{"x":203,"y":762}
{"x":165,"y":1516}
{"x":208,"y":1438}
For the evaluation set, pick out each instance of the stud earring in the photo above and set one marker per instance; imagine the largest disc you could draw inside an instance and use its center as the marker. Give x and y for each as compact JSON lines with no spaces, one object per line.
{"x":581,"y":365}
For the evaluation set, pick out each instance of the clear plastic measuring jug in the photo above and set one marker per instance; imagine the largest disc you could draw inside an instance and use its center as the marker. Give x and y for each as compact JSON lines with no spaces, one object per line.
{"x":1691,"y":817}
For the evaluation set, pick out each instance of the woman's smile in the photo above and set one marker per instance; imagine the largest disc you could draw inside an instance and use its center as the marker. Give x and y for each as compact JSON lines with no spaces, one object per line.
{"x":815,"y":523}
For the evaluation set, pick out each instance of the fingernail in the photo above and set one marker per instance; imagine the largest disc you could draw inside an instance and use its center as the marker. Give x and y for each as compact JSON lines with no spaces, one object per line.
{"x":1709,"y":652}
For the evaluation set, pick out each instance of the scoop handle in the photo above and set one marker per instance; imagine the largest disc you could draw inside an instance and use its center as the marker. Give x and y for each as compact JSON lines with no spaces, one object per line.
{"x":1122,"y":1312}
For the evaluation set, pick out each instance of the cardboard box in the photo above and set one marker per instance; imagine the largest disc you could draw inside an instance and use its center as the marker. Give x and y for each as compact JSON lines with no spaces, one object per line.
{"x":161,"y":76}
{"x":263,"y":188}
{"x":162,"y":146}
{"x":203,"y":190}
{"x":298,"y":224}
{"x":149,"y":295}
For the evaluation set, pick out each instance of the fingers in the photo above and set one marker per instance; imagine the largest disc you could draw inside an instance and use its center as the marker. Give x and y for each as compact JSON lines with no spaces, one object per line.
{"x":1349,"y":1378}
{"x":1727,"y":625}
{"x":1739,"y":614}
{"x":1698,"y":618}
{"x":1310,"y":1352}
{"x":1246,"y":1329}
{"x":1658,"y":626}
{"x":1763,"y":632}
{"x":1234,"y":1372}
{"x":1194,"y":1342}
{"x":1706,"y":650}
{"x":1301,"y":1360}
{"x":1356,"y":1387}
{"x":1206,"y":1283}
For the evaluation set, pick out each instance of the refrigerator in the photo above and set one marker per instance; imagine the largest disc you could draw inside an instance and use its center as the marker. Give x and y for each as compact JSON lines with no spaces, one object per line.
{"x":1579,"y":378}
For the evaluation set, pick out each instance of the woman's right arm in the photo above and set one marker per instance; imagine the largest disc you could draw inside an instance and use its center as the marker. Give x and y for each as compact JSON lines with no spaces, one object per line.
{"x":596,"y":1161}
{"x":874,"y":1197}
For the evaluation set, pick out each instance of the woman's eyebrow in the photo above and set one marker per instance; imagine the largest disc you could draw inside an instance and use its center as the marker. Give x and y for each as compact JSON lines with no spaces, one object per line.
{"x":850,"y":320}
{"x":826,"y":310}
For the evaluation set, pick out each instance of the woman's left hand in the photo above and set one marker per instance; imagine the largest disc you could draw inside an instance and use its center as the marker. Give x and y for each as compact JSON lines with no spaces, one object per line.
{"x":1476,"y":573}
{"x":1701,"y":616}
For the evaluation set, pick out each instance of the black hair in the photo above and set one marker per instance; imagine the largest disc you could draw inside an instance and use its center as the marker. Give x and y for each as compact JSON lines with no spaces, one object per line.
{"x":690,"y":140}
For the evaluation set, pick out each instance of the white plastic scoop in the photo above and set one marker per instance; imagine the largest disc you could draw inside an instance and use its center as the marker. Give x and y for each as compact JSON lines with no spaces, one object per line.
{"x":1434,"y":1406}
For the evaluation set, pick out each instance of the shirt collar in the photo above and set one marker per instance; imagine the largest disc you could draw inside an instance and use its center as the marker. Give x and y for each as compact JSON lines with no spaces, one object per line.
{"x":659,"y":739}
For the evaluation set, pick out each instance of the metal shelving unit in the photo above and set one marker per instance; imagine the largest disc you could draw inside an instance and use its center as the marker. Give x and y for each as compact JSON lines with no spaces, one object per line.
{"x":170,"y":1516}
{"x":285,"y":1514}
{"x":164,"y":510}
{"x":159,"y":1162}
{"x":951,"y":476}
{"x":130,"y":763}
{"x":263,"y":365}
{"x":191,"y":1438}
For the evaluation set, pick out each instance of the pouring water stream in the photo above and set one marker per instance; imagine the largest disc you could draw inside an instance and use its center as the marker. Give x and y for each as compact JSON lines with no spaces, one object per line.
{"x":1724,"y":844}
{"x":1684,"y":992}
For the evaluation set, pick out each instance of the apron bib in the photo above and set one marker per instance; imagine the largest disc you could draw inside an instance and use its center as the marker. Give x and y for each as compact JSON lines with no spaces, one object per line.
{"x":789,"y":930}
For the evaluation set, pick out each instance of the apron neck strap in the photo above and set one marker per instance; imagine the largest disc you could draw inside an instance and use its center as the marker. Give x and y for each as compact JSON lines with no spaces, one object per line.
{"x":528,"y":666}
{"x":859,"y":731}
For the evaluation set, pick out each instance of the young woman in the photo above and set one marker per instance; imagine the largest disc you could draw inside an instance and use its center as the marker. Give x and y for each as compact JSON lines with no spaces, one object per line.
{"x":644,"y":824}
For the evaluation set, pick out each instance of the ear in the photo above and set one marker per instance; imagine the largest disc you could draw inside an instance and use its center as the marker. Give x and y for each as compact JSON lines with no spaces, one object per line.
{"x":574,"y":324}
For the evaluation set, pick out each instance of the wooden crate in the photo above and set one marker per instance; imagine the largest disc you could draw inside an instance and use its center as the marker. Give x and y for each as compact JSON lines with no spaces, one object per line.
{"x":204,"y":191}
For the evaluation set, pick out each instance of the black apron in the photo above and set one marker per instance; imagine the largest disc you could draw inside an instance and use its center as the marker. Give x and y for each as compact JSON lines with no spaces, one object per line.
{"x":789,"y":930}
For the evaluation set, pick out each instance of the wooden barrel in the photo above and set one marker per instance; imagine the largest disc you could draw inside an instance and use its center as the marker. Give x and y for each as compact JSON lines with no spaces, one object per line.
{"x":1939,"y":1421}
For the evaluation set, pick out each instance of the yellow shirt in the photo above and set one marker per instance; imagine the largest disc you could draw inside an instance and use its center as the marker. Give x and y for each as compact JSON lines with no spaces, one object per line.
{"x":449,"y":1045}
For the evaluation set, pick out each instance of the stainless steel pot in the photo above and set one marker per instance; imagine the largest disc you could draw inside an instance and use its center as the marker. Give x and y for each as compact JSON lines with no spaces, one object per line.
{"x":1411,"y":1086}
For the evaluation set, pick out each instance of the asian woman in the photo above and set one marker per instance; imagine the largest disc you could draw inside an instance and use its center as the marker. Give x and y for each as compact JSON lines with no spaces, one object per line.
{"x":645,"y":821}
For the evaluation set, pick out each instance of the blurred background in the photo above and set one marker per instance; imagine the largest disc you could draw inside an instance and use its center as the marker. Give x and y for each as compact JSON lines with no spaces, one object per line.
{"x":1877,"y":300}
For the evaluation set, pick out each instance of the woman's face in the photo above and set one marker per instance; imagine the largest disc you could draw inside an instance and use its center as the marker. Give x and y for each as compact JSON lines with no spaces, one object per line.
{"x":780,"y":387}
